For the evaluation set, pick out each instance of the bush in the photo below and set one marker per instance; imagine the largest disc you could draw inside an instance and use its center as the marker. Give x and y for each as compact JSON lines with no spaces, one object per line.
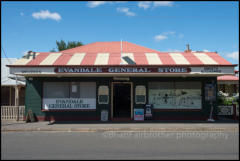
{"x":223,"y":99}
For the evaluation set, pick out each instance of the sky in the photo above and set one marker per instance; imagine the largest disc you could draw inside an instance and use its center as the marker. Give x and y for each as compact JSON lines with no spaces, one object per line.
{"x":160,"y":25}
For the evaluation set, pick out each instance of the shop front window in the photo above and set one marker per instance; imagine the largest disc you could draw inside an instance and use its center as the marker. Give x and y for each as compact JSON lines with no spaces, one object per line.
{"x":175,"y":95}
{"x":69,"y":95}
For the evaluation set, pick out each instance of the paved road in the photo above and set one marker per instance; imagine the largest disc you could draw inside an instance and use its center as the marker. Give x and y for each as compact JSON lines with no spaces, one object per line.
{"x":120,"y":145}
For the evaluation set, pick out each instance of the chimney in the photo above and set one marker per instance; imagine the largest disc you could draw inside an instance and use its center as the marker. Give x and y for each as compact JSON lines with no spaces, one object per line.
{"x":188,"y":48}
{"x":31,"y":53}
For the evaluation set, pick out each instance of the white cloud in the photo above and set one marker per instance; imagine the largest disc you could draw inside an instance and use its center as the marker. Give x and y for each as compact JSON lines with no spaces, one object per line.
{"x":144,"y":4}
{"x":126,"y":11}
{"x":147,"y":4}
{"x":205,"y":50}
{"x":164,"y":35}
{"x":21,"y":13}
{"x":94,"y":4}
{"x":46,"y":15}
{"x":233,"y":55}
{"x":160,"y":37}
{"x":162,"y":3}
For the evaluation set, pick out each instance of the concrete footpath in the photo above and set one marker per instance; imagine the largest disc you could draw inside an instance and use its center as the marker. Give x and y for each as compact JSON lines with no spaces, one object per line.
{"x":21,"y":126}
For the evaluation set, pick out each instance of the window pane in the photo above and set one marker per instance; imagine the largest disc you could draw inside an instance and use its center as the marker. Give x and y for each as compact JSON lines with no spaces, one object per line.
{"x":87,"y":89}
{"x":74,"y":90}
{"x":56,"y":89}
{"x":175,"y":95}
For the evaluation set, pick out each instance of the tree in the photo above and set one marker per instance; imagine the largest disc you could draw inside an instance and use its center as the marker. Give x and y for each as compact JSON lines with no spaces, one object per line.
{"x":53,"y":50}
{"x":73,"y":44}
{"x":61,"y":45}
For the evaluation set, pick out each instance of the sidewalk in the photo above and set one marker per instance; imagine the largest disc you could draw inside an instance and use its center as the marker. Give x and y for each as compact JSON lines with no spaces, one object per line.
{"x":231,"y":126}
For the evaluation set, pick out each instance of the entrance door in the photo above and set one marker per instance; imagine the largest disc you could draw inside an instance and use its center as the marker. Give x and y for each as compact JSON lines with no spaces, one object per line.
{"x":122,"y":100}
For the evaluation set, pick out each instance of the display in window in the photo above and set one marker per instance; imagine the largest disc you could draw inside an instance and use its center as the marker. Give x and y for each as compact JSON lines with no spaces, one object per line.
{"x":103,"y":95}
{"x":69,"y":96}
{"x":175,"y":99}
{"x":140,"y":97}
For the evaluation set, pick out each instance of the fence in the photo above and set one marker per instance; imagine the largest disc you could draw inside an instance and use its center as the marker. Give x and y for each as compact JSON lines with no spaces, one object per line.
{"x":12,"y":112}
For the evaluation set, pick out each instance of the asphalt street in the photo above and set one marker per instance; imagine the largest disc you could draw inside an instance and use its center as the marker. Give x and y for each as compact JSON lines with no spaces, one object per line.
{"x":120,"y":145}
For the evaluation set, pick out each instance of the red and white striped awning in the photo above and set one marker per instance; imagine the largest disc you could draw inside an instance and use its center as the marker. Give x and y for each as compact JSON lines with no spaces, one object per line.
{"x":228,"y":78}
{"x":109,"y":54}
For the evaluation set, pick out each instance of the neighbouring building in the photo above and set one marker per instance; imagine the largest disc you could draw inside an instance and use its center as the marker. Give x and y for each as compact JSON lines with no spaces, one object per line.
{"x":229,"y":84}
{"x":120,"y":78}
{"x":12,"y":91}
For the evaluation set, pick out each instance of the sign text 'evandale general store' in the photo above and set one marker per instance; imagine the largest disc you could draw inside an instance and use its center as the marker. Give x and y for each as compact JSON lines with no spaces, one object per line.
{"x":122,"y":70}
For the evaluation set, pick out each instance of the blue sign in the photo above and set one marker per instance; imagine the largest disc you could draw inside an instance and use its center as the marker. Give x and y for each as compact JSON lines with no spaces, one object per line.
{"x":139,"y":114}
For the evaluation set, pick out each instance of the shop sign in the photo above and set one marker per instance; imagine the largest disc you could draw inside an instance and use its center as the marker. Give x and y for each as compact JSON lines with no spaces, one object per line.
{"x":148,"y":112}
{"x":69,"y":103}
{"x":211,"y":70}
{"x":104,"y":115}
{"x":225,"y":110}
{"x":122,"y":70}
{"x":139,"y":114}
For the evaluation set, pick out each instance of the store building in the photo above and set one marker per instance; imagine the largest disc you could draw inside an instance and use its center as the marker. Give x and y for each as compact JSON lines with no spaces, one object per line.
{"x":121,"y":78}
{"x":229,"y":84}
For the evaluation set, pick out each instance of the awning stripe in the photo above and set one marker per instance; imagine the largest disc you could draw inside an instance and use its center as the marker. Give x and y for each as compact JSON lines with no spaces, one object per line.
{"x":76,"y":59}
{"x":38,"y":59}
{"x":192,"y":59}
{"x":25,"y":61}
{"x":205,"y":58}
{"x":218,"y":58}
{"x":140,"y":59}
{"x":166,"y":59}
{"x":114,"y":59}
{"x":89,"y":59}
{"x":63,"y":59}
{"x":102,"y":59}
{"x":153,"y":59}
{"x":179,"y":58}
{"x":50,"y":59}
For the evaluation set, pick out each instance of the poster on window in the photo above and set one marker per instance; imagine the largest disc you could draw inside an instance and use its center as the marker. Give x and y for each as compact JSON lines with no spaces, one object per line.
{"x":175,"y":99}
{"x":210,"y":94}
{"x":69,"y":103}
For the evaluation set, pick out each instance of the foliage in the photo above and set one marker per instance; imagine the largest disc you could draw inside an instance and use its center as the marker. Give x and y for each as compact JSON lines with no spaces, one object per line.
{"x":62,"y":45}
{"x":223,"y":99}
{"x":53,"y":50}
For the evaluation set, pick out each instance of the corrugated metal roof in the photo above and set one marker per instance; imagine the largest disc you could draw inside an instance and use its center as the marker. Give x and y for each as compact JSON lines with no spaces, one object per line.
{"x":109,"y":53}
{"x":228,"y":78}
{"x":5,"y":80}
